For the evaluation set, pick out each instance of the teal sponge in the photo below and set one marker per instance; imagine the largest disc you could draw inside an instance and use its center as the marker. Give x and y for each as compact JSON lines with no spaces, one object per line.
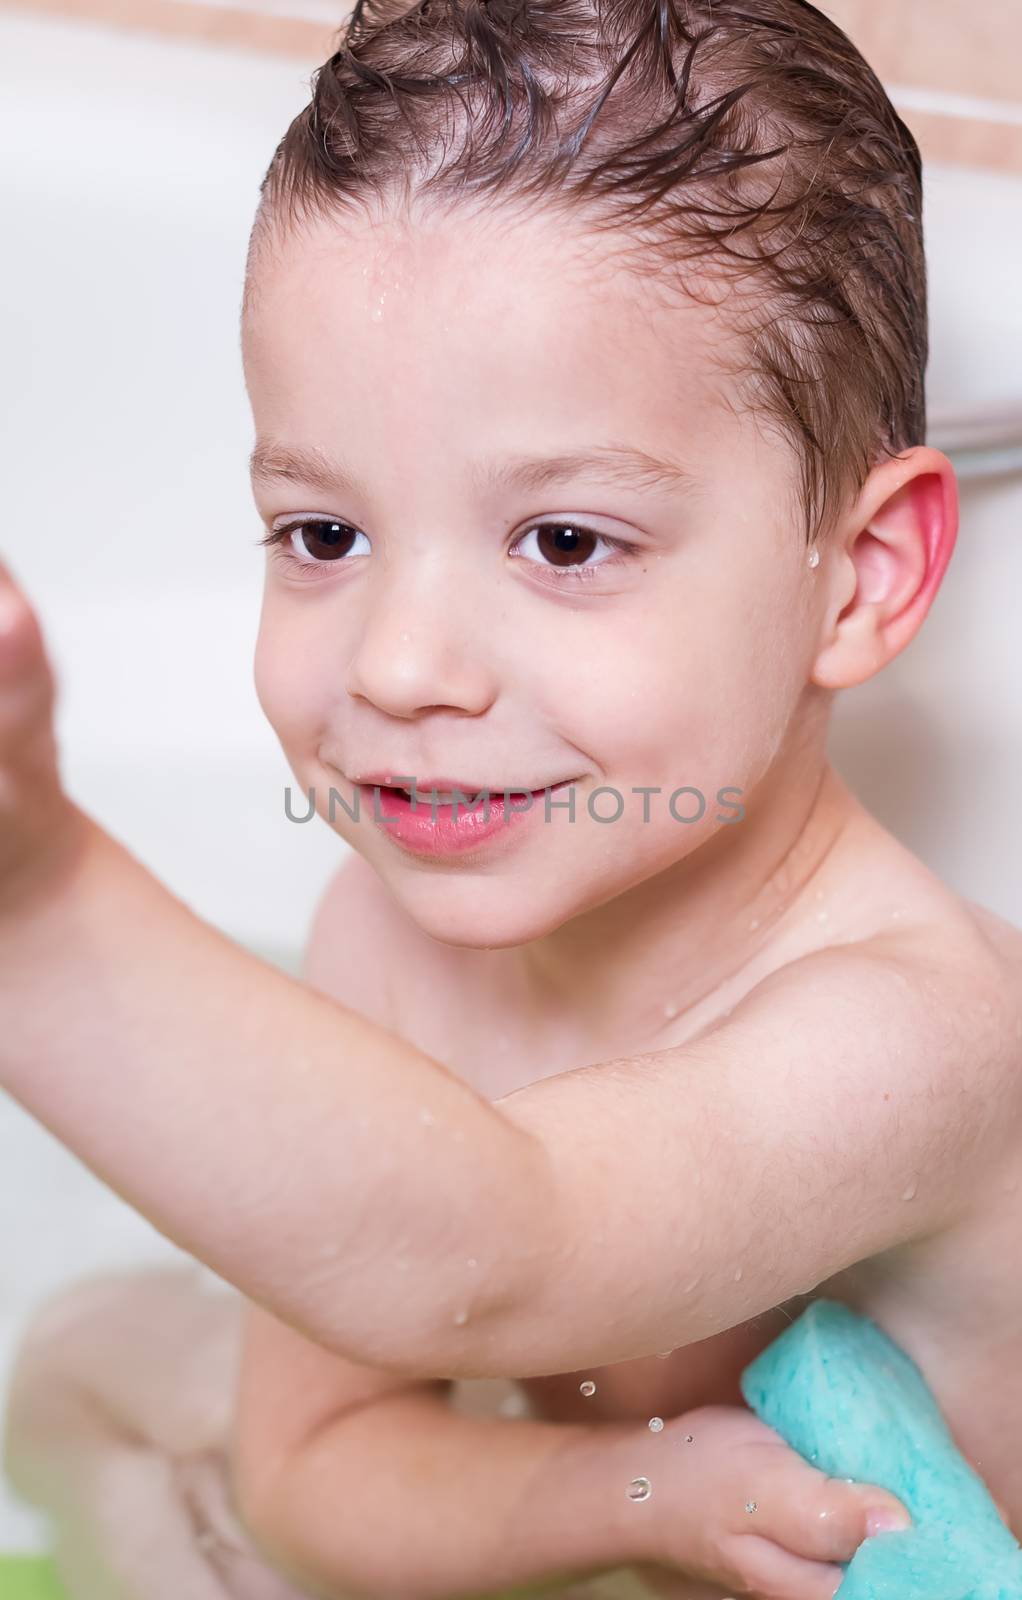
{"x":849,"y":1400}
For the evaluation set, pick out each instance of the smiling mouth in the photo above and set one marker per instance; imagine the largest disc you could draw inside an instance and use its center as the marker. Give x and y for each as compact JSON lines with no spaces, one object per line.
{"x":471,"y":795}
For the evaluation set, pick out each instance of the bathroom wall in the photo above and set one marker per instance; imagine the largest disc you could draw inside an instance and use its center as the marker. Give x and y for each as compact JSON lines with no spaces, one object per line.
{"x":131,"y":158}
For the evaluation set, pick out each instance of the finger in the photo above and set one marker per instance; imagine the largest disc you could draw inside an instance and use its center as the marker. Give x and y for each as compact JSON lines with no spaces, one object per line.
{"x":28,"y":684}
{"x":770,"y":1573}
{"x":821,"y":1518}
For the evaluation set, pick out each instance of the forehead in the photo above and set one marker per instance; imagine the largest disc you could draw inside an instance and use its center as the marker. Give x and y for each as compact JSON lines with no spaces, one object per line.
{"x":487,"y":317}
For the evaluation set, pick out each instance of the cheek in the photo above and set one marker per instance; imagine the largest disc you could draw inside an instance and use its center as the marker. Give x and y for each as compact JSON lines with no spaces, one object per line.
{"x":695,"y":696}
{"x":290,"y":685}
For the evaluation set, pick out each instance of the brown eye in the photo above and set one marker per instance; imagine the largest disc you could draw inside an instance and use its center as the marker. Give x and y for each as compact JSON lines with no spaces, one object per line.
{"x":564,"y":544}
{"x":322,"y":541}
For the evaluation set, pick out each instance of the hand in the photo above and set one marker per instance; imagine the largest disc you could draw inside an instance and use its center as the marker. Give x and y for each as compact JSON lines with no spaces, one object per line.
{"x":40,"y":827}
{"x":787,"y":1547}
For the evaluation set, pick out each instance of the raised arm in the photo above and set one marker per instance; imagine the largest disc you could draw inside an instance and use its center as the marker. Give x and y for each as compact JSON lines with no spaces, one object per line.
{"x":396,"y":1216}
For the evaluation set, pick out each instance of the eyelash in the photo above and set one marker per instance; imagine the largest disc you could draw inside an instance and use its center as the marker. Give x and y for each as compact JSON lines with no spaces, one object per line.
{"x":278,"y":538}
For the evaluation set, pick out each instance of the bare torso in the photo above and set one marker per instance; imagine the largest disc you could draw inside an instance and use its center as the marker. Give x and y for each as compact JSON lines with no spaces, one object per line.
{"x":953,"y":1300}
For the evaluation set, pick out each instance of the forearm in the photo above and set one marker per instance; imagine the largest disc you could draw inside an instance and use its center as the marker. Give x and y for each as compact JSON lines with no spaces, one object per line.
{"x":409,"y":1499}
{"x":327,"y":1168}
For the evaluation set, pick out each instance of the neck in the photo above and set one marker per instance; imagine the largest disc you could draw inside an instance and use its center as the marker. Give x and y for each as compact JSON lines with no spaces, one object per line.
{"x":620,"y":974}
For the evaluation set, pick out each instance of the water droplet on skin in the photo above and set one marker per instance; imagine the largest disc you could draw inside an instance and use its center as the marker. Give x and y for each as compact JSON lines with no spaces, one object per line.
{"x":670,"y":1009}
{"x":814,"y":558}
{"x":471,"y":1262}
{"x":754,"y":924}
{"x":750,"y":1505}
{"x":640,"y":1489}
{"x":689,"y":1437}
{"x":588,"y":1388}
{"x":738,"y":1274}
{"x":663,"y":1355}
{"x":461,"y":1317}
{"x":910,"y":1192}
{"x":694,"y":1284}
{"x":427,"y":1117}
{"x":656,"y":1424}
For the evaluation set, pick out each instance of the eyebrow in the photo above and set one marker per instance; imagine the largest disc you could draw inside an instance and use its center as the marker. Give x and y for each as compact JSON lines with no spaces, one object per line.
{"x":307,"y":466}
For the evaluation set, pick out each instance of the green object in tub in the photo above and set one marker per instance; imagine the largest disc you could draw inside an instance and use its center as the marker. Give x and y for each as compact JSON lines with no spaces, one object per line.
{"x":28,"y":1578}
{"x":853,"y":1403}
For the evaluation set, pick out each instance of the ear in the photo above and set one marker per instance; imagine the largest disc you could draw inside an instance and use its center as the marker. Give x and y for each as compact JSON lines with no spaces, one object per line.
{"x":883,"y":564}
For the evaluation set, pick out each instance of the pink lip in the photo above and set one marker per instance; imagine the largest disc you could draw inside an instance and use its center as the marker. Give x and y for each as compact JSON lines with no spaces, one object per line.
{"x":434,"y":829}
{"x":387,"y":780}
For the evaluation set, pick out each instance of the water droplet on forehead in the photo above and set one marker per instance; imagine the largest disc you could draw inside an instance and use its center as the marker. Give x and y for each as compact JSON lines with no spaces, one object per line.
{"x":738,"y":1274}
{"x":656,"y":1424}
{"x":427,"y":1117}
{"x":910,"y":1192}
{"x":640,"y":1489}
{"x":461,"y":1317}
{"x":587,"y":1388}
{"x":471,"y":1262}
{"x":754,"y":924}
{"x":750,"y":1505}
{"x":670,"y":1009}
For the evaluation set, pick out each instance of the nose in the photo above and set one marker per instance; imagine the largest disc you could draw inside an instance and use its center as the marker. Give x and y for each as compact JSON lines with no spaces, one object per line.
{"x":421,"y":648}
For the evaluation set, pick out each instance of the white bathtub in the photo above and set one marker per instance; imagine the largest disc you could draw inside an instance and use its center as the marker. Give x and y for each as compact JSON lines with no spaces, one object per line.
{"x":131,"y":174}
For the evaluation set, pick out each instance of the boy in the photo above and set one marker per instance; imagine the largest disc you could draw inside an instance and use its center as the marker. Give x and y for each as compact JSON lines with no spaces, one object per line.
{"x":579,"y":1086}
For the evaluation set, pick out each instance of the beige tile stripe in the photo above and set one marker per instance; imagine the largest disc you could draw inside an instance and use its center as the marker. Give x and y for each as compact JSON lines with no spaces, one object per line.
{"x":956,"y":47}
{"x":190,"y":19}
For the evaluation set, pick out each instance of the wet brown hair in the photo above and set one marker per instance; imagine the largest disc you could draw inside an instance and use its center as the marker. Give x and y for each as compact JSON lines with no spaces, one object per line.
{"x":750,"y":135}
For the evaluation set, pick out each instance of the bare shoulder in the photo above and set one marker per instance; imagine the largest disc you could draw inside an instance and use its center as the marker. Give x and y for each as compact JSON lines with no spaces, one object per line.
{"x":934,"y":984}
{"x":363,"y":950}
{"x":345,"y":949}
